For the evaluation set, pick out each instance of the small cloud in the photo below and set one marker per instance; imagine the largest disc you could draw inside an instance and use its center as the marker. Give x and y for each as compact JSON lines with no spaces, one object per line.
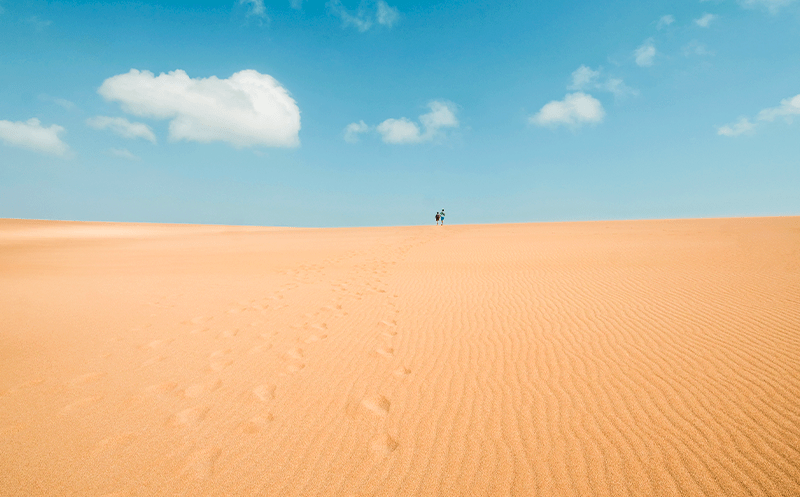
{"x":246,"y":109}
{"x":788,"y":108}
{"x":403,"y":130}
{"x":123,"y":153}
{"x":352,"y":131}
{"x":705,"y":20}
{"x":257,"y":8}
{"x":694,"y":47}
{"x":296,"y":4}
{"x":574,"y":111}
{"x":664,"y":22}
{"x":38,"y":24}
{"x":772,"y":6}
{"x":386,"y":14}
{"x":66,"y":104}
{"x":122,"y":127}
{"x":367,"y":15}
{"x":399,"y":131}
{"x":585,"y":78}
{"x":645,"y":54}
{"x":33,"y":136}
{"x":740,"y":127}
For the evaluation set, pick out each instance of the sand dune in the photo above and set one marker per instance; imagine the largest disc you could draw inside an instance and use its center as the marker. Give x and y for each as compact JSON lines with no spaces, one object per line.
{"x":569,"y":359}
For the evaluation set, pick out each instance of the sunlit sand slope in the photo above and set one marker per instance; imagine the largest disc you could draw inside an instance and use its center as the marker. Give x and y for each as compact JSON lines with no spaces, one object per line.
{"x":574,"y":359}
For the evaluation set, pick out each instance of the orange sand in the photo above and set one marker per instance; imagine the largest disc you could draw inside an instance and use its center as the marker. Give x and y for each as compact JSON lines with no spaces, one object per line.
{"x":573,"y":359}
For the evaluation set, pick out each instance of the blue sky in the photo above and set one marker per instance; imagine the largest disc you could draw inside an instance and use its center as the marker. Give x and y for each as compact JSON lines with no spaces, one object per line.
{"x":340,"y":113}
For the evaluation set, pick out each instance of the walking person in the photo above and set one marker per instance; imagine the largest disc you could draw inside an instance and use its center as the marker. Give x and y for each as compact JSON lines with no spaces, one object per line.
{"x":437,"y":219}
{"x":441,"y":216}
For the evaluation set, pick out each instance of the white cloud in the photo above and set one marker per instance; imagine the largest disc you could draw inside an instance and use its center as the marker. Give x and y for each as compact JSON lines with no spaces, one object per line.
{"x":123,"y":153}
{"x":257,"y":8}
{"x":122,"y":127}
{"x":403,"y":130}
{"x":386,"y":14}
{"x":645,"y":53}
{"x":33,"y":136}
{"x":367,"y":15}
{"x":664,"y":22}
{"x":399,"y":131}
{"x":585,"y":78}
{"x":352,"y":131}
{"x":773,"y":6}
{"x":742,"y":126}
{"x":788,"y":108}
{"x":705,"y":20}
{"x":296,"y":4}
{"x":244,"y":110}
{"x":66,"y":104}
{"x":575,"y":110}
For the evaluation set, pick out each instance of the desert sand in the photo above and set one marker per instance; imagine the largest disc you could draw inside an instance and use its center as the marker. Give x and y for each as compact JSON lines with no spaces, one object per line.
{"x":618,"y":358}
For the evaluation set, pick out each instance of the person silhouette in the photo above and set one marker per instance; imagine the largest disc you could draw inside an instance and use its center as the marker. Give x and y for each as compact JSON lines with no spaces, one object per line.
{"x":441,"y":216}
{"x":437,"y":219}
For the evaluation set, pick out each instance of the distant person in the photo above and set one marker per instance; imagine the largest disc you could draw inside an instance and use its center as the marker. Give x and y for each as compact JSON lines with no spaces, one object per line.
{"x":437,"y":219}
{"x":441,"y":216}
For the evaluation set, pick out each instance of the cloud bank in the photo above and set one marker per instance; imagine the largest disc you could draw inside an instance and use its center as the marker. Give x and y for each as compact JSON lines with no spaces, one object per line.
{"x":245,"y":110}
{"x":122,"y":127}
{"x":574,"y":111}
{"x":33,"y":136}
{"x":367,"y":15}
{"x":404,"y":131}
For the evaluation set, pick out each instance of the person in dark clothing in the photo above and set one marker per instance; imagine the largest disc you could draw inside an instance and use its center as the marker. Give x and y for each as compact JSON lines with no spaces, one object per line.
{"x":437,"y":219}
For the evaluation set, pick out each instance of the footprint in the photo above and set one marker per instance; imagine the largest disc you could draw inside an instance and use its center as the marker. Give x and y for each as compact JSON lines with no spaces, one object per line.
{"x":260,"y":348}
{"x":391,"y":324}
{"x":264,"y":392}
{"x":85,"y":379}
{"x":228,"y":333}
{"x":387,"y":352}
{"x":197,"y":390}
{"x":383,"y":445}
{"x":321,"y":326}
{"x":402,"y":371}
{"x":315,"y":338}
{"x":218,"y":362}
{"x":200,"y":319}
{"x":389,"y":333}
{"x":293,"y":368}
{"x":257,"y":423}
{"x":377,"y":405}
{"x":296,"y":353}
{"x":200,"y":463}
{"x":188,"y":416}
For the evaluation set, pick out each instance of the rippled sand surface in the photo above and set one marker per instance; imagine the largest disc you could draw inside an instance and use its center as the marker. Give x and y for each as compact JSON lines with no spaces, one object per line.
{"x":568,"y":359}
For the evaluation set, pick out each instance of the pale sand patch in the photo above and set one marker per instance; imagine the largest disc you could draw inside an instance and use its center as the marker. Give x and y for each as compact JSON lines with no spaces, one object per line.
{"x":577,"y":359}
